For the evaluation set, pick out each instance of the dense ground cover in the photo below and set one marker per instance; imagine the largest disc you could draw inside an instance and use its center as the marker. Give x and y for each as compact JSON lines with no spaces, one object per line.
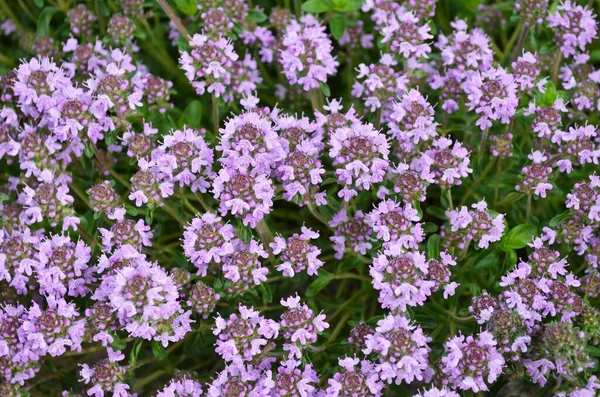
{"x":328,"y":198}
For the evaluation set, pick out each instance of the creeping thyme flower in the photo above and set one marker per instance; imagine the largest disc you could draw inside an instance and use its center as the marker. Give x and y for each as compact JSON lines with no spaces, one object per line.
{"x":126,"y":231}
{"x":103,"y":321}
{"x":243,"y":266}
{"x":355,"y":36}
{"x":306,"y":56}
{"x":53,"y":329}
{"x":560,"y":349}
{"x":535,"y":176}
{"x":577,"y":146}
{"x":532,"y":12}
{"x":380,"y":84}
{"x":354,"y":379}
{"x":407,"y":279}
{"x":299,"y":324}
{"x":240,"y":380}
{"x":50,"y":200}
{"x":216,"y":21}
{"x":186,"y":158}
{"x":301,"y":173}
{"x":245,"y":78}
{"x":146,"y":302}
{"x":574,"y":27}
{"x":397,"y":226}
{"x":412,"y":120}
{"x":208,"y":65}
{"x":297,"y":253}
{"x":181,"y":385}
{"x":492,"y":95}
{"x":446,"y":163}
{"x":547,"y":120}
{"x":243,"y":336}
{"x":104,"y":199}
{"x":207,"y":240}
{"x":438,"y":392}
{"x":140,"y":144}
{"x":407,"y":35}
{"x":106,"y":376}
{"x":477,"y":225}
{"x":120,"y":28}
{"x":247,"y":195}
{"x":526,"y":70}
{"x":156,"y":92}
{"x":81,"y":20}
{"x":249,"y":141}
{"x":202,"y":299}
{"x":471,"y":362}
{"x":360,"y":155}
{"x":18,"y":257}
{"x":352,"y":234}
{"x":408,"y":184}
{"x":62,"y":267}
{"x":401,"y":349}
{"x":464,"y":49}
{"x":293,"y":380}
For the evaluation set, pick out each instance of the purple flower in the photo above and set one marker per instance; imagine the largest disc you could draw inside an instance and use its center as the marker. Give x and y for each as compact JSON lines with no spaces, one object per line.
{"x":124,"y":232}
{"x":526,"y":70}
{"x":535,"y":176}
{"x":380,"y":85}
{"x":207,"y":240}
{"x":401,"y":279}
{"x":202,"y":299}
{"x":104,"y":199}
{"x":146,"y":301}
{"x":477,"y":225}
{"x":398,"y":227}
{"x":469,"y":362}
{"x":408,"y":36}
{"x":353,"y":234}
{"x":306,"y":55}
{"x":208,"y":64}
{"x":465,"y":50}
{"x":63,"y":267}
{"x":492,"y":94}
{"x":18,"y":258}
{"x":186,"y":158}
{"x":239,"y":379}
{"x":297,"y":253}
{"x":360,"y":156}
{"x":402,"y":351}
{"x":446,"y":163}
{"x":299,"y":324}
{"x":182,"y":385}
{"x":243,"y":335}
{"x":293,"y":380}
{"x":243,"y":266}
{"x":412,"y":120}
{"x":106,"y":376}
{"x":355,"y":379}
{"x":250,"y":142}
{"x":247,"y":195}
{"x":437,"y":392}
{"x":574,"y":27}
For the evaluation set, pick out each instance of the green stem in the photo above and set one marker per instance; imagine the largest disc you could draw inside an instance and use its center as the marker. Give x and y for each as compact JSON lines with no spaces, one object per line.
{"x":352,"y":276}
{"x":449,"y":194}
{"x":173,"y":17}
{"x":313,"y":210}
{"x":215,"y":109}
{"x":528,"y":211}
{"x":556,"y":67}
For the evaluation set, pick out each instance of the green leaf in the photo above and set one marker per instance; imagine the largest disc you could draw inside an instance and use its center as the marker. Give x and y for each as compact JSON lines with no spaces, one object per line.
{"x":131,"y":210}
{"x":159,"y":352}
{"x":592,"y":350}
{"x":257,"y":16}
{"x":438,"y":212}
{"x":337,"y":25}
{"x":518,"y":237}
{"x":347,"y":5}
{"x":3,"y":197}
{"x":266,"y":292}
{"x":188,"y":7}
{"x":321,"y":282}
{"x":433,"y":246}
{"x":192,"y":115}
{"x":510,"y":260}
{"x":88,"y":151}
{"x":550,"y":95}
{"x":38,"y":3}
{"x":135,"y":351}
{"x":558,"y":219}
{"x":430,"y":227}
{"x":43,"y":25}
{"x":316,"y":6}
{"x":490,"y":259}
{"x":326,"y":90}
{"x":245,"y":234}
